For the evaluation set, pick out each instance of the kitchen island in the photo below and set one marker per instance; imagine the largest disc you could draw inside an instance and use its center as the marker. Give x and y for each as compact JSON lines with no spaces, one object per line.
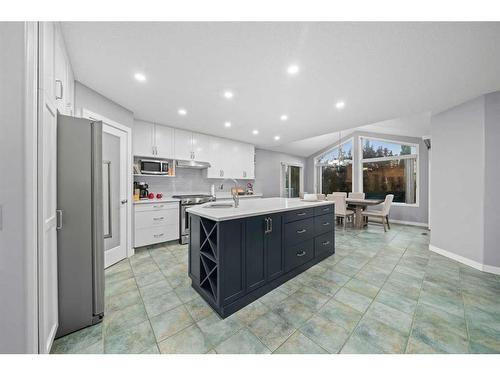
{"x":237,"y":255}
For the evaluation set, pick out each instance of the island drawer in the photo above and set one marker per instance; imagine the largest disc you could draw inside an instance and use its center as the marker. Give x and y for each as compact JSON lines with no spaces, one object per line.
{"x":298,"y":231}
{"x":323,"y":244}
{"x":298,"y":254}
{"x":323,"y":223}
{"x":323,"y":210}
{"x":298,"y":214}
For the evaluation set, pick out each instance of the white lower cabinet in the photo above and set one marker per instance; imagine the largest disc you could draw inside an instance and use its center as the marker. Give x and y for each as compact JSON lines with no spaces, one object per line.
{"x":156,"y":222}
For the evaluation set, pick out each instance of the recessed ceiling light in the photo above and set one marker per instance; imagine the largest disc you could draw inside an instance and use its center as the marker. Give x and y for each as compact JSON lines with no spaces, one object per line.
{"x":182,"y":112}
{"x":293,"y":69}
{"x":340,"y":105}
{"x":255,"y":132}
{"x":283,"y":117}
{"x":140,"y":77}
{"x":227,"y":124}
{"x":276,"y":137}
{"x":228,"y":94}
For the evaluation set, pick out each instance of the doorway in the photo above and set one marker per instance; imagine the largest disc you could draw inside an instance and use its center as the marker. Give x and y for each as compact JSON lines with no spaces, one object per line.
{"x":292,"y":180}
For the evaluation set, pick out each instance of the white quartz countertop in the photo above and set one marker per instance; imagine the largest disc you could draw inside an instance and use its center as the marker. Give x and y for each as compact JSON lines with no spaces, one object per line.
{"x":162,"y":200}
{"x":253,"y":207}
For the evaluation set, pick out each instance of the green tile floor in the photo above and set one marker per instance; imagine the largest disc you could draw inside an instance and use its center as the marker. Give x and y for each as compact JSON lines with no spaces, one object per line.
{"x":380,"y":293}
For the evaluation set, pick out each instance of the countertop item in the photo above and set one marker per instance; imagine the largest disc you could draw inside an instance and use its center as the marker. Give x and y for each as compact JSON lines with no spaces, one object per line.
{"x":253,"y":207}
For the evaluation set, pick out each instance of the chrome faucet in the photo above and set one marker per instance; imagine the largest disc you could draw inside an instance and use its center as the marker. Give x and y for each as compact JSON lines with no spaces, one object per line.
{"x":234,"y":193}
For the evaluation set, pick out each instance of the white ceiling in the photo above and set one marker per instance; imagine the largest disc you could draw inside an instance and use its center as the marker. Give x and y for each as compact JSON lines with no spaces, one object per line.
{"x":381,"y":70}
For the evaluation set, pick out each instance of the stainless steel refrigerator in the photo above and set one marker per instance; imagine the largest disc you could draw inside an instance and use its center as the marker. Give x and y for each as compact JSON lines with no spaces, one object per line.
{"x":80,"y":239}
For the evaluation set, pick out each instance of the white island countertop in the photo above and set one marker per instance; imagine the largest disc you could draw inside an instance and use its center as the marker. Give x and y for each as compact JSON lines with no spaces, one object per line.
{"x":253,"y":207}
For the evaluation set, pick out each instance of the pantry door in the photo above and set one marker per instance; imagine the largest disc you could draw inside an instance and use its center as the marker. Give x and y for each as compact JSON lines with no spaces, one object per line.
{"x":116,"y":175}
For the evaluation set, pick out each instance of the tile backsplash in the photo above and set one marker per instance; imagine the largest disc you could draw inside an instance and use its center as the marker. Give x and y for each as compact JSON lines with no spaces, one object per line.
{"x":188,"y":181}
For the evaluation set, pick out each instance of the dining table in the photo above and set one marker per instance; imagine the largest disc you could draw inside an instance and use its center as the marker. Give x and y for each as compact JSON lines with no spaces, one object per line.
{"x":360,"y":205}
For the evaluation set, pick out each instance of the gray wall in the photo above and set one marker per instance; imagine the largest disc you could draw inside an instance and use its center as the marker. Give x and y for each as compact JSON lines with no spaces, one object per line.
{"x":86,"y":98}
{"x":492,"y":181}
{"x":418,"y":214}
{"x":457,"y":191}
{"x":15,"y":320}
{"x":268,"y":171}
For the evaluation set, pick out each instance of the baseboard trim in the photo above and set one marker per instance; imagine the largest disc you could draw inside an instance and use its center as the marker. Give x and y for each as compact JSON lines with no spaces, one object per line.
{"x":412,"y":223}
{"x":468,"y":262}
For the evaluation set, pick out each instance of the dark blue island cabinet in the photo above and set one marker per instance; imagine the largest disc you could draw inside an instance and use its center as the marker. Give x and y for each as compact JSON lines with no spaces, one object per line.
{"x":234,"y":262}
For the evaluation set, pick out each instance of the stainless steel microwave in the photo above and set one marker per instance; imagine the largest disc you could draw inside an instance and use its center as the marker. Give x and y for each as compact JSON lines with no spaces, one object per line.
{"x":154,"y":167}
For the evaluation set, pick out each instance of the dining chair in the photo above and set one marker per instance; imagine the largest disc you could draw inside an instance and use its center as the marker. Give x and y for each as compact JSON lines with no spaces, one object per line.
{"x":341,"y":211}
{"x":382,"y":214}
{"x":335,"y":194}
{"x":321,"y":197}
{"x":356,"y":195}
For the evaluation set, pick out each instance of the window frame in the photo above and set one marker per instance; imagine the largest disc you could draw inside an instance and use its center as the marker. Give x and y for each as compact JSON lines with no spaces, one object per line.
{"x":318,"y":183}
{"x":415,"y":156}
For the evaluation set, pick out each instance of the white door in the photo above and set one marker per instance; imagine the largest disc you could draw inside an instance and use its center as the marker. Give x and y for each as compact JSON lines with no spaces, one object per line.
{"x":47,"y":192}
{"x":164,"y":141}
{"x":143,"y":139}
{"x":201,"y":147}
{"x":114,"y":155}
{"x":183,"y":144}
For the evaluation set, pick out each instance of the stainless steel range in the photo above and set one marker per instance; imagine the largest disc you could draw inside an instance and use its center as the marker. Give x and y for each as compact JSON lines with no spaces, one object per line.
{"x":188,"y":200}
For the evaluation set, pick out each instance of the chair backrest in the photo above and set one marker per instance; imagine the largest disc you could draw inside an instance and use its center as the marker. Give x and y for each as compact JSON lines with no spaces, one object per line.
{"x":321,"y":197}
{"x":387,"y":204}
{"x":356,"y":195}
{"x":340,"y":205}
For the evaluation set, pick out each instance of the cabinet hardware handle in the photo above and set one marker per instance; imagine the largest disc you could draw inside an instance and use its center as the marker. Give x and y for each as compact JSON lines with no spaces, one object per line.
{"x":59,"y":224}
{"x":301,"y":213}
{"x":62,"y":89}
{"x":301,"y":253}
{"x":158,"y":206}
{"x":326,"y":209}
{"x":123,"y":201}
{"x":300,"y":231}
{"x":326,"y":243}
{"x":270,"y":225}
{"x":266,"y":230}
{"x":327,"y":223}
{"x":158,"y":218}
{"x":158,"y":235}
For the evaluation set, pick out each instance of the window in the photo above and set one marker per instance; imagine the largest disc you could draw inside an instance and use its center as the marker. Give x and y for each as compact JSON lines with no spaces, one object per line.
{"x":333,"y":176}
{"x":389,"y":168}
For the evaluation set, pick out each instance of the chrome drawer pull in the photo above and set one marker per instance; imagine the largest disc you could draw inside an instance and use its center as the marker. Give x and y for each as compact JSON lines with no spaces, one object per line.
{"x":326,"y":243}
{"x":301,"y":213}
{"x":326,"y":209}
{"x":327,"y":223}
{"x":158,"y":235}
{"x":300,"y":231}
{"x":301,"y":253}
{"x":158,"y":218}
{"x":158,"y":206}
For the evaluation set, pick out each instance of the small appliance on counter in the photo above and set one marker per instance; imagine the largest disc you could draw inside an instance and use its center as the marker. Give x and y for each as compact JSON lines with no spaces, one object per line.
{"x":141,"y":189}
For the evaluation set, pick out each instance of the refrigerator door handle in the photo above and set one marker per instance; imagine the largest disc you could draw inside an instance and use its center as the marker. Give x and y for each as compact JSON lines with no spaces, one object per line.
{"x":59,"y":224}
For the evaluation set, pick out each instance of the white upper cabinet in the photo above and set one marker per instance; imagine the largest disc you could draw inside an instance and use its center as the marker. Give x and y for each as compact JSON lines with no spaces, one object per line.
{"x":217,"y":153}
{"x":183,"y":144}
{"x":164,"y":141}
{"x":201,"y":147}
{"x":230,"y":159}
{"x":143,"y":139}
{"x":153,"y":140}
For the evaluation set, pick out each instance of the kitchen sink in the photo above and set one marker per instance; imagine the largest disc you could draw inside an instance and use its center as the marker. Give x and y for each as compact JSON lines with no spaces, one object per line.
{"x":219,"y":205}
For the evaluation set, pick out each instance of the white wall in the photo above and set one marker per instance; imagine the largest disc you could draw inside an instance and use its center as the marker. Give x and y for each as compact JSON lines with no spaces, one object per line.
{"x":268,"y":170}
{"x":86,"y":98}
{"x":17,"y":192}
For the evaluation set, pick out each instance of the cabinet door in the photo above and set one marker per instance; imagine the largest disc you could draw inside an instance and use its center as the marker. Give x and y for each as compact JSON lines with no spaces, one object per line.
{"x":143,"y":139}
{"x":215,"y":158}
{"x":255,"y":256}
{"x":164,"y":141}
{"x":183,"y":144}
{"x":274,"y":248}
{"x":201,"y":147}
{"x":247,"y":161}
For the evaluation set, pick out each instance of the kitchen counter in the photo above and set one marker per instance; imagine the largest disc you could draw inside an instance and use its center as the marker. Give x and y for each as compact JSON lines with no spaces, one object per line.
{"x":237,"y":255}
{"x":162,"y":200}
{"x":253,"y":207}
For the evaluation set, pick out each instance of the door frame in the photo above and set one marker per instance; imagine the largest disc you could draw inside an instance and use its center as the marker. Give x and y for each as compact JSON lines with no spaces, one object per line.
{"x":282,"y":182}
{"x":85,"y":113}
